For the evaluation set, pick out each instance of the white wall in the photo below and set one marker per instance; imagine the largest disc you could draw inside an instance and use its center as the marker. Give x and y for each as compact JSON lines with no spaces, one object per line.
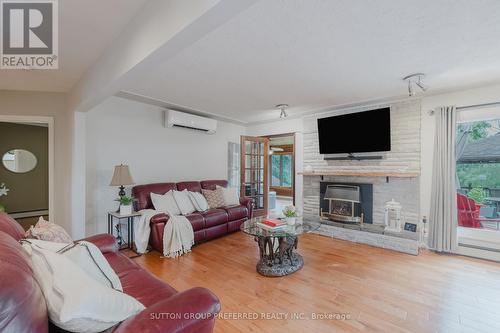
{"x":128,"y":132}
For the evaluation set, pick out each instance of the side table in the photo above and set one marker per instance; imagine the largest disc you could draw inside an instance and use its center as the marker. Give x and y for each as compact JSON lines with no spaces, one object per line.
{"x":112,"y":216}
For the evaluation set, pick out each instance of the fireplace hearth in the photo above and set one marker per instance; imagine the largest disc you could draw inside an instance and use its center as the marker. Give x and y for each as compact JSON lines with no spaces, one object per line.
{"x":346,"y":202}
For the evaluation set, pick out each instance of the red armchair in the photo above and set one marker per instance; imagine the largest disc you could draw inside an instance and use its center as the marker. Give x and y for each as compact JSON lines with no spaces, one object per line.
{"x":23,"y":309}
{"x":468,"y":212}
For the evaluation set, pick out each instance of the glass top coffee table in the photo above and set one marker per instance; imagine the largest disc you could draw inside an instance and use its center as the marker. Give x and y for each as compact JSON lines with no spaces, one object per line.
{"x":277,"y":255}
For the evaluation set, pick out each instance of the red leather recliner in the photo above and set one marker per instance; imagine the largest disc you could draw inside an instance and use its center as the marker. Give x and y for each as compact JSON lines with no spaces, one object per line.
{"x":207,"y":225}
{"x":23,"y":308}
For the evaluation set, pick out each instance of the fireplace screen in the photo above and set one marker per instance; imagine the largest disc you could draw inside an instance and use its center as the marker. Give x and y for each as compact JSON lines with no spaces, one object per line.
{"x":343,"y":208}
{"x":343,"y":203}
{"x":346,"y":202}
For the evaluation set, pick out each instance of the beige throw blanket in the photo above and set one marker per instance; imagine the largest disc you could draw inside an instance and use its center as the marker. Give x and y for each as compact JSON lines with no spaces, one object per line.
{"x":178,"y":235}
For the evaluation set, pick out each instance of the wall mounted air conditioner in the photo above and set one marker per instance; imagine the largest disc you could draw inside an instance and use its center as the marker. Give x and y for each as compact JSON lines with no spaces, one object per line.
{"x":190,"y":121}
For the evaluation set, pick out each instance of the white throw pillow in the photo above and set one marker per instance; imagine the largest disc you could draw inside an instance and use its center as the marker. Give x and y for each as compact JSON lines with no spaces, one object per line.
{"x":75,"y":301}
{"x":184,"y":202}
{"x":230,"y":195}
{"x":199,"y":201}
{"x":84,"y":254}
{"x":165,"y":203}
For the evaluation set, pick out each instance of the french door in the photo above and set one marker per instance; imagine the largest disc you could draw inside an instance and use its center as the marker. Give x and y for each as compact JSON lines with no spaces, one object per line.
{"x":254,"y":172}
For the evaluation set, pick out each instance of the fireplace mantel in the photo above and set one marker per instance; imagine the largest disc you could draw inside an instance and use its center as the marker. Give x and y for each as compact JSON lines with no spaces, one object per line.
{"x":362,"y":174}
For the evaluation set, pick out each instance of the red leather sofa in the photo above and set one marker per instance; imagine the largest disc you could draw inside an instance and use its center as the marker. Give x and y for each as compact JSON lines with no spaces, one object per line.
{"x":207,"y":225}
{"x":23,"y":308}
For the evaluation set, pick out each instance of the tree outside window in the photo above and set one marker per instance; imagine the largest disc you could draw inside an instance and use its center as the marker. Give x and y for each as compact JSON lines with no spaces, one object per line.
{"x":281,"y":167}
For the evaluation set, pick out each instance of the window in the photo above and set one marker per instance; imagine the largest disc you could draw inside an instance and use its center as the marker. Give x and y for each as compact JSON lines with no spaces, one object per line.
{"x":478,"y":174}
{"x":281,"y":168}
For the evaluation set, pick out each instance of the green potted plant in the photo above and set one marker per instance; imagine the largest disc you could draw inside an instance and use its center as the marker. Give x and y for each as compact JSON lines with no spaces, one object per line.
{"x":125,"y":204}
{"x":3,"y":192}
{"x":290,"y":214}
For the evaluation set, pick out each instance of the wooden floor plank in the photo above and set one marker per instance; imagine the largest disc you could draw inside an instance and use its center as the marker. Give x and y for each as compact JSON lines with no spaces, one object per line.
{"x":378,"y":290}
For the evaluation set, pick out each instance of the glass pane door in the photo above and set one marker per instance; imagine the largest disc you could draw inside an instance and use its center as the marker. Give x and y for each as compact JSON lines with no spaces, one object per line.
{"x":478,"y":184}
{"x":254,"y":166}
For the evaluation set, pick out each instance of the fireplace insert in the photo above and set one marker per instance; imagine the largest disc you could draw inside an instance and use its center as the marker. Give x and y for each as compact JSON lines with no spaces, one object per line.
{"x":346,"y":203}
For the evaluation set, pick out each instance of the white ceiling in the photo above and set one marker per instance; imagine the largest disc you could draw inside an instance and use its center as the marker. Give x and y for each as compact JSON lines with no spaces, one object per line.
{"x":86,"y":27}
{"x":317,"y":53}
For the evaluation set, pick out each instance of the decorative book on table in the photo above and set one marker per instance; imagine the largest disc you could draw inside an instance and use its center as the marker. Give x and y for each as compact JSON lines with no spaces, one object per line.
{"x":271,"y":224}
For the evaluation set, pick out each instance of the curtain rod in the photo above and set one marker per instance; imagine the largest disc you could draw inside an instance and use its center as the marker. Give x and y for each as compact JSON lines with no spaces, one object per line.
{"x":474,"y":106}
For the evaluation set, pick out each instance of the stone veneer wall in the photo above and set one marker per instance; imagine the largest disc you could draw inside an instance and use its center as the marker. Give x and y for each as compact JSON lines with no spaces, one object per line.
{"x":403,"y":157}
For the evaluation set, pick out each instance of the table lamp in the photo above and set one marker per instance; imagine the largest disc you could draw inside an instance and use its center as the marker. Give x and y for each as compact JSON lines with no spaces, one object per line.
{"x":121,"y":177}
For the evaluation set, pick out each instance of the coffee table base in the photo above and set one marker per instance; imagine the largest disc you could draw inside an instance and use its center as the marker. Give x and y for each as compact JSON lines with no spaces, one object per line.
{"x":277,"y":256}
{"x":277,"y":269}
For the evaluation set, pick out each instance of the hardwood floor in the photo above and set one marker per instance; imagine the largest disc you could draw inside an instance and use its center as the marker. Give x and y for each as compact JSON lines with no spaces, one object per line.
{"x":378,"y":290}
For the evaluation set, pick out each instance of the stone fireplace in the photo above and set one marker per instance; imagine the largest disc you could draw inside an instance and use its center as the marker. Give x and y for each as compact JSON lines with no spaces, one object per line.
{"x":404,"y":159}
{"x":362,"y":196}
{"x":346,"y":202}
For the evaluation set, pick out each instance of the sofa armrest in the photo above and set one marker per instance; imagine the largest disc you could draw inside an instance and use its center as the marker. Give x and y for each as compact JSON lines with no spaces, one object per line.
{"x":192,"y":310}
{"x":160,"y":218}
{"x":105,"y":242}
{"x":248,"y":203}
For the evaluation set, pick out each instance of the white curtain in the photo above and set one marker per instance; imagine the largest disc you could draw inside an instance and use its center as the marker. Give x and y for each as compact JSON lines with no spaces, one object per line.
{"x":462,"y":141}
{"x":443,"y":215}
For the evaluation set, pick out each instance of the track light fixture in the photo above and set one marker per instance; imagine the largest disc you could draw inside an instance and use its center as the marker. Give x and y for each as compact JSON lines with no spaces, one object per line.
{"x":415,"y":80}
{"x":283,"y":113}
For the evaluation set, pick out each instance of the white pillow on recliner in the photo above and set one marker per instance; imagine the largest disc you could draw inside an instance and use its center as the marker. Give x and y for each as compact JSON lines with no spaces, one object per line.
{"x":199,"y":201}
{"x":165,"y":203}
{"x":230,"y":195}
{"x":184,"y":202}
{"x":75,"y":301}
{"x":86,"y":255}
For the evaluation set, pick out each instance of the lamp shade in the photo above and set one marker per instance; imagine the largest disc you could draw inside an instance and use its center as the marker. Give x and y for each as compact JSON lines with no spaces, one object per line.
{"x":121,"y":176}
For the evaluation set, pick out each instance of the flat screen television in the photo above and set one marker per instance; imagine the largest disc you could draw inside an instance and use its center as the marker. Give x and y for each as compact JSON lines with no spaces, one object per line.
{"x":361,"y":132}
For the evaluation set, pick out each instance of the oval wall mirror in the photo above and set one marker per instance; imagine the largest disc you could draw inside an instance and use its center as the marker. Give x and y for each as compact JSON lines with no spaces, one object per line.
{"x":19,"y":160}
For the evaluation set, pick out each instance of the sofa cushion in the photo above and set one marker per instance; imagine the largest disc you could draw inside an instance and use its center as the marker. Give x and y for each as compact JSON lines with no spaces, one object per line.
{"x":48,"y":231}
{"x":85,"y":255}
{"x":141,"y":193}
{"x":236,"y":212}
{"x":214,"y":198}
{"x":184,"y":202}
{"x":190,"y":186}
{"x":212,"y":184}
{"x":144,"y":287}
{"x":235,"y":225}
{"x":199,"y":201}
{"x":214,"y":217}
{"x":217,"y":231}
{"x":119,"y":262}
{"x":22,"y":305}
{"x":165,"y":203}
{"x":11,"y":227}
{"x":93,"y":308}
{"x":197,"y":221}
{"x":230,"y":195}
